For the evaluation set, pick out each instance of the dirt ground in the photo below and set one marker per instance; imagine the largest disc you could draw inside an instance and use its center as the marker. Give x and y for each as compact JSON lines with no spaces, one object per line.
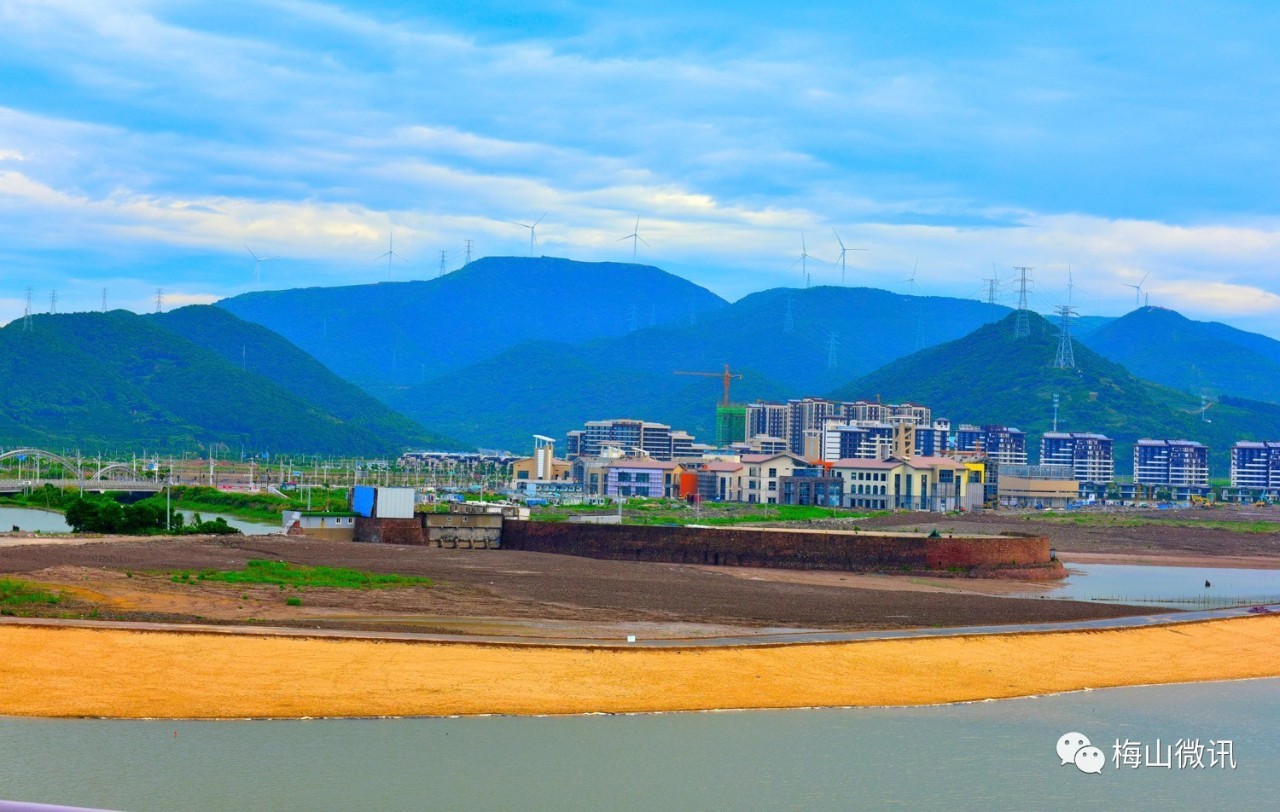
{"x":512,"y":592}
{"x":1070,"y":537}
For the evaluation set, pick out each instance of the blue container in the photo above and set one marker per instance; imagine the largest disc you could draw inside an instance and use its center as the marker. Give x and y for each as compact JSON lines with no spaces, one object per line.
{"x":362,"y":500}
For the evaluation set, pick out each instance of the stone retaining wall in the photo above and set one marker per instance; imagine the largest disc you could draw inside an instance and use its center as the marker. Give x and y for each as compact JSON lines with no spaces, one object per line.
{"x":789,"y":549}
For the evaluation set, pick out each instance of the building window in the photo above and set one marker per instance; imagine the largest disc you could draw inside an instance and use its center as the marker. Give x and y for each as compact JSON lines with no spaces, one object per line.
{"x":642,"y":477}
{"x":624,"y":476}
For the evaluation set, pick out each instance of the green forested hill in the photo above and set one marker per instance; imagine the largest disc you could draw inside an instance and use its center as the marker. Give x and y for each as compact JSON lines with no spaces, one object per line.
{"x":118,"y":380}
{"x":257,"y":350}
{"x":1166,"y":347}
{"x":989,"y":376}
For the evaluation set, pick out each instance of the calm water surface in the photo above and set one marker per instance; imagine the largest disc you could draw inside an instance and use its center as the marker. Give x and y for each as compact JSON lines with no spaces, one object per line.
{"x":993,"y":755}
{"x":1169,"y":586}
{"x":31,"y":520}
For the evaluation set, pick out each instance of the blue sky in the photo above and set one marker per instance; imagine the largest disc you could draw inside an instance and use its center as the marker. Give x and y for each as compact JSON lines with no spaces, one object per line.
{"x":144,"y":144}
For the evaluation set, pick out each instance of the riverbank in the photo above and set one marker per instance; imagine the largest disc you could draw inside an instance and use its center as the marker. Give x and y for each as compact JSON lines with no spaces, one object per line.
{"x":185,"y":675}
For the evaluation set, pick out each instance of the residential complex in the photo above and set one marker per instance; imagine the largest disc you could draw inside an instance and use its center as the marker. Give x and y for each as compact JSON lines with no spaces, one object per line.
{"x":1091,"y":457}
{"x":1255,"y":470}
{"x":1002,"y":444}
{"x":1182,"y":465}
{"x":656,"y":440}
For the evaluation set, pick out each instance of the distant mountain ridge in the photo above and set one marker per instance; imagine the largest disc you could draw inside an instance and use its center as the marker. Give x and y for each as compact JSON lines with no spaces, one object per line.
{"x":117,"y":380}
{"x":402,"y":333}
{"x":1164,"y":346}
{"x":786,"y":343}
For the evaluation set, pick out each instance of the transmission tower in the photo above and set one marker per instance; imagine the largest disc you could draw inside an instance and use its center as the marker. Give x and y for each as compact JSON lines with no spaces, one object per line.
{"x":26,"y":314}
{"x":789,"y":323}
{"x":1055,"y":413}
{"x":1066,"y":357}
{"x":833,"y":344}
{"x":634,"y":319}
{"x":468,"y":259}
{"x":104,"y":300}
{"x":159,"y":300}
{"x":991,"y":290}
{"x":53,"y":301}
{"x":1022,"y":326}
{"x":444,"y":255}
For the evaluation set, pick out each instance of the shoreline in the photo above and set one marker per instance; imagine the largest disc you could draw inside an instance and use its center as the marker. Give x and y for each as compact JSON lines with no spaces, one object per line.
{"x":162,"y":675}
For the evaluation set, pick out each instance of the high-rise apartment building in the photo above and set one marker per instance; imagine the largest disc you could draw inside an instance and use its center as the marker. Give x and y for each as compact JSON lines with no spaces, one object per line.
{"x":1091,"y":457}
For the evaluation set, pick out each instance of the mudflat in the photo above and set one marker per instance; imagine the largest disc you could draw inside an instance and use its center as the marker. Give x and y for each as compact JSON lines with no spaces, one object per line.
{"x":505,"y":591}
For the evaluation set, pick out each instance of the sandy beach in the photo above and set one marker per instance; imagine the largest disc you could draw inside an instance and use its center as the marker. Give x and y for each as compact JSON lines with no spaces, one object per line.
{"x":45,"y":672}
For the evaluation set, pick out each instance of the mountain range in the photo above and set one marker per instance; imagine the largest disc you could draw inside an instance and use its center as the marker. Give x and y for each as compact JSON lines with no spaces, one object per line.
{"x":508,"y":347}
{"x":400,"y":333}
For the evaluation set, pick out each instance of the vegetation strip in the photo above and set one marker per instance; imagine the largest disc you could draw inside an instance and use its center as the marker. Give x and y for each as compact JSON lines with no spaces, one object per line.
{"x":283,"y":574}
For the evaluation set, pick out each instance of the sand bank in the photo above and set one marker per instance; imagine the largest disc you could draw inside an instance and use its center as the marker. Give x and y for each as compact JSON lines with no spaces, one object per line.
{"x":110,"y":673}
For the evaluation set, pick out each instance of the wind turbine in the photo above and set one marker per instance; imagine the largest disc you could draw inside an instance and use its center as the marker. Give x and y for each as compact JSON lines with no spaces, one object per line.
{"x":1137,"y":290}
{"x":390,"y":253}
{"x":257,"y":265}
{"x":843,"y":251}
{"x":912,"y":279}
{"x":633,"y":236}
{"x":533,"y":231}
{"x":803,"y":261}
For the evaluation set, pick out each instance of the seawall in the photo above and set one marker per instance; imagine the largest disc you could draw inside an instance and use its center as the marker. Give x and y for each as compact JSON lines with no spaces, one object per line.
{"x":1023,"y":557}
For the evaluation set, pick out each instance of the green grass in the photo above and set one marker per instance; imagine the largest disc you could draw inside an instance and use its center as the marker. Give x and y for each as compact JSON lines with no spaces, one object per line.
{"x":20,"y":593}
{"x":675,"y":511}
{"x":283,"y":574}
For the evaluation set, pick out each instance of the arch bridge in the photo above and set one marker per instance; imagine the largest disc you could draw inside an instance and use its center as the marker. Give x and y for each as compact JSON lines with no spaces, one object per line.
{"x":116,"y":476}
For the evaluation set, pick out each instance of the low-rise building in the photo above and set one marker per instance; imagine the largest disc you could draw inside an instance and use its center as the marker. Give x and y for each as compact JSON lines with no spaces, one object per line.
{"x":763,"y":472}
{"x":811,"y":486}
{"x":1037,"y":486}
{"x":918,"y":483}
{"x":641,"y":477}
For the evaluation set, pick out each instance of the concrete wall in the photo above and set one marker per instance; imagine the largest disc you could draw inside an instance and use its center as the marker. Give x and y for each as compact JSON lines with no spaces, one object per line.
{"x":474,"y":530}
{"x":789,"y":549}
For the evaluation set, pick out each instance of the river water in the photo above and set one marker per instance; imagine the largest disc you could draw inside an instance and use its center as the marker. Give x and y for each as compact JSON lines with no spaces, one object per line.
{"x":991,"y":755}
{"x":30,"y":520}
{"x":1177,"y":587}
